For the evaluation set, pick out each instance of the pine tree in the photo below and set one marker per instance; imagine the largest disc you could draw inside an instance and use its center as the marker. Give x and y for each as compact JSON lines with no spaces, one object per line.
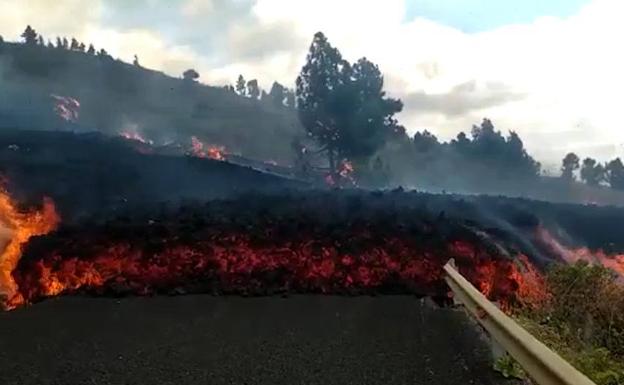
{"x":29,"y":35}
{"x":252,"y":89}
{"x":569,"y":164}
{"x":343,"y":106}
{"x":74,"y":45}
{"x":277,"y":94}
{"x":615,"y":174}
{"x":241,"y":85}
{"x":592,"y":172}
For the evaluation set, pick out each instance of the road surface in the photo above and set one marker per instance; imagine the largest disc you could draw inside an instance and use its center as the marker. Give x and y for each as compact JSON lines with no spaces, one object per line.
{"x":203,"y":339}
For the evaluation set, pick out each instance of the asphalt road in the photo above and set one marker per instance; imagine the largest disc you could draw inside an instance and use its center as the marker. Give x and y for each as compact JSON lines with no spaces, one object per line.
{"x":232,"y":340}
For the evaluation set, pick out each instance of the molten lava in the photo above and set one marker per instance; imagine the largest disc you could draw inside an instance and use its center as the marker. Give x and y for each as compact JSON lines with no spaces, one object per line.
{"x":614,"y":262}
{"x":66,"y":107}
{"x":202,"y":150}
{"x":16,"y":228}
{"x":207,"y":254}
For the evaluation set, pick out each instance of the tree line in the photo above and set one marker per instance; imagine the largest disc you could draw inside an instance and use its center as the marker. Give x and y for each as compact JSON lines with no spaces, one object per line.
{"x":278,"y":94}
{"x":344,"y":108}
{"x":593,"y":173}
{"x":32,"y":38}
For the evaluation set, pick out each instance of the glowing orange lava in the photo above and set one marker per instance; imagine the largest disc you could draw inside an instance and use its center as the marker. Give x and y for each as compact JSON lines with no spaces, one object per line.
{"x":202,"y":150}
{"x":225,"y":262}
{"x":16,"y":228}
{"x":613,"y":261}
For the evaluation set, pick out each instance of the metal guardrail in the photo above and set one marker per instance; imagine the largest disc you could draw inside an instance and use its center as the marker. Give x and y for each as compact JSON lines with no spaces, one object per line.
{"x":543,"y":365}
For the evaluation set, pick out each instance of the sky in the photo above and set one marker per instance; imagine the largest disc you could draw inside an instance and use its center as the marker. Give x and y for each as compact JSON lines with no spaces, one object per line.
{"x":552,"y":71}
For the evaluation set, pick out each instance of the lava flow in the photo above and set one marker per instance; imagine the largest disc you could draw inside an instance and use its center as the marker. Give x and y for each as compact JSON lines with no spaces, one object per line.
{"x":614,"y":262}
{"x":213,"y":252}
{"x":16,"y":228}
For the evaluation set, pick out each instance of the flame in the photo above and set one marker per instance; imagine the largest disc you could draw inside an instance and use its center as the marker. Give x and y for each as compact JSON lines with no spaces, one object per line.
{"x":135,"y":136}
{"x":614,"y":262}
{"x":16,"y":228}
{"x":344,"y":175}
{"x":66,"y":107}
{"x":226,"y":261}
{"x":201,"y":150}
{"x":346,"y":169}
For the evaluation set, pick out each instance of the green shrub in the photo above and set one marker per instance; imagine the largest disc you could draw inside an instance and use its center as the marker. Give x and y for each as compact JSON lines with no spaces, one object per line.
{"x":587,"y":305}
{"x":509,"y":367}
{"x":583,"y":320}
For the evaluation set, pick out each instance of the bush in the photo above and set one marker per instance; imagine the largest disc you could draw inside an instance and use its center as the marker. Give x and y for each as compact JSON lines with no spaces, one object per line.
{"x":583,"y":320}
{"x":587,"y":305}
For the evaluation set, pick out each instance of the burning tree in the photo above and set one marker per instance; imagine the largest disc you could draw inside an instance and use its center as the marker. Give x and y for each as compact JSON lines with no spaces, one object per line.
{"x":343,"y":106}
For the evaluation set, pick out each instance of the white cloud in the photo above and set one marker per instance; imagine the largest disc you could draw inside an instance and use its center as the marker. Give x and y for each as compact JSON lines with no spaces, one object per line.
{"x":569,"y":71}
{"x":152,"y":49}
{"x":51,"y":18}
{"x":192,"y":8}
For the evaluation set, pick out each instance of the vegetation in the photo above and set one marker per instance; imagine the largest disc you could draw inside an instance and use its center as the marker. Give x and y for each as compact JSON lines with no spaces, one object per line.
{"x":118,"y":97}
{"x":569,"y":165}
{"x":583,"y":320}
{"x":343,"y":105}
{"x":593,"y":173}
{"x":509,"y":367}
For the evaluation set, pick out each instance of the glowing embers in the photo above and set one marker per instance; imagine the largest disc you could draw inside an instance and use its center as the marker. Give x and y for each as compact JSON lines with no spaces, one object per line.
{"x":16,"y":228}
{"x":66,"y":107}
{"x":344,"y":175}
{"x":202,"y":150}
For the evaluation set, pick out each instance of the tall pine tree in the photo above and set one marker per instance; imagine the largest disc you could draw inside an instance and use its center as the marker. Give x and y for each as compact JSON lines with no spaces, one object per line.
{"x":343,"y":106}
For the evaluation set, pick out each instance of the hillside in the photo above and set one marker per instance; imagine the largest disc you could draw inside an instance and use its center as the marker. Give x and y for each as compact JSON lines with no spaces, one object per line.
{"x":117,"y":97}
{"x":93,"y":173}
